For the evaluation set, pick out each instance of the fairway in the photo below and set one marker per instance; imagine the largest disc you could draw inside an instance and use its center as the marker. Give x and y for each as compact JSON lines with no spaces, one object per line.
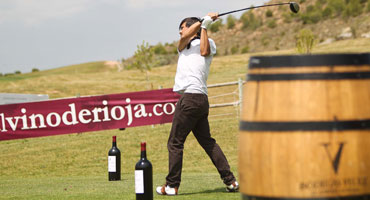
{"x":206,"y":186}
{"x":74,"y":166}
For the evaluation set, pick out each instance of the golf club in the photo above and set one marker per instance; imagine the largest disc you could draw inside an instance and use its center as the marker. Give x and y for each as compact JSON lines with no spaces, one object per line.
{"x":294,"y":7}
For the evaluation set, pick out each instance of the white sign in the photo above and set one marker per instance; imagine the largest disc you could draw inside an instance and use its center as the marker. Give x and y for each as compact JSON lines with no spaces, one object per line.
{"x":9,"y":98}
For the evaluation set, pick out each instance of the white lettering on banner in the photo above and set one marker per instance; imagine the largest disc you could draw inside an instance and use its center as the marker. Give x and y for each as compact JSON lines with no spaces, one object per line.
{"x":129,"y":111}
{"x":172,"y":108}
{"x":72,"y":117}
{"x":82,"y":114}
{"x":3,"y":129}
{"x":105,"y":110}
{"x":24,"y":119}
{"x":121,"y":110}
{"x":72,"y":113}
{"x":155,"y":110}
{"x":96,"y":112}
{"x":57,"y":119}
{"x":12,"y":124}
{"x":33,"y":121}
{"x":141,"y":112}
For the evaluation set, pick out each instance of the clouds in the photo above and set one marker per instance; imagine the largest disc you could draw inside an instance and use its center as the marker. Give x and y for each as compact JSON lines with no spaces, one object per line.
{"x":53,"y":33}
{"x":143,"y":4}
{"x":33,"y":12}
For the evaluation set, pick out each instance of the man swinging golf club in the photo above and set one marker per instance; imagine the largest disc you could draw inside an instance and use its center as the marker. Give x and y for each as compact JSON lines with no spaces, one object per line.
{"x":196,"y":51}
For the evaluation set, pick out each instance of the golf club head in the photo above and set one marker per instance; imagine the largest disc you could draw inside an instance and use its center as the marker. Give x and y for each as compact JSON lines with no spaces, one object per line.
{"x":294,"y":7}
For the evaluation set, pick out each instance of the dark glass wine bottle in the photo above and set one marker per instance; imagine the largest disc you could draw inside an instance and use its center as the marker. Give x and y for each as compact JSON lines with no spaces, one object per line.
{"x":114,"y":162}
{"x":143,"y":177}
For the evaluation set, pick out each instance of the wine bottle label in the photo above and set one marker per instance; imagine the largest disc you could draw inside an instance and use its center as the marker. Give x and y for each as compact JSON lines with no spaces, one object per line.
{"x":139,"y":181}
{"x":112,"y":164}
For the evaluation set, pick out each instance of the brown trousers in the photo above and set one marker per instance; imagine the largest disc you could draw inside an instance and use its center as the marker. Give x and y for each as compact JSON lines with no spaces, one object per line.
{"x":191,"y":114}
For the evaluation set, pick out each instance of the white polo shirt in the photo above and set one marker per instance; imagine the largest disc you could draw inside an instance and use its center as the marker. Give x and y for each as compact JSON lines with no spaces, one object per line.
{"x":193,"y":69}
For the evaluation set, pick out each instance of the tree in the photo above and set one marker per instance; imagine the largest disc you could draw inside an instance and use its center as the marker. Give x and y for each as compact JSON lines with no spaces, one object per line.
{"x":250,"y":21}
{"x":143,"y":59}
{"x":230,"y":20}
{"x":353,"y":9}
{"x":305,"y":41}
{"x":215,"y":27}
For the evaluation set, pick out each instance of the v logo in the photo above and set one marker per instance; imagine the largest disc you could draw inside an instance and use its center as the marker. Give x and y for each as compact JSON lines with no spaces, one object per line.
{"x":336,"y":160}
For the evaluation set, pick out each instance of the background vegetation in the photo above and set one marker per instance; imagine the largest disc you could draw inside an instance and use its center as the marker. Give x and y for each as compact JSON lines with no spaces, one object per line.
{"x":75,"y":166}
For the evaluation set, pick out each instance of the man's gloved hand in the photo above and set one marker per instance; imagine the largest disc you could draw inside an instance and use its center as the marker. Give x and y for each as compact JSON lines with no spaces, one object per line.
{"x":206,"y":22}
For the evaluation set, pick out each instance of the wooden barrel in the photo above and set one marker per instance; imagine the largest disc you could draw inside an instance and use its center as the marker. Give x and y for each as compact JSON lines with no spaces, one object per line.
{"x":305,"y":128}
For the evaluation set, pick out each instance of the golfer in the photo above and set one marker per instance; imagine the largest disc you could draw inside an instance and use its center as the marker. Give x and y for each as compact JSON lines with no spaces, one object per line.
{"x":196,"y":51}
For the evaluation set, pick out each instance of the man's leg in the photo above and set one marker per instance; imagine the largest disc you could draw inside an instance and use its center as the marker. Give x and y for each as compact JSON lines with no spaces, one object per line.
{"x":202,"y":133}
{"x":183,"y":121}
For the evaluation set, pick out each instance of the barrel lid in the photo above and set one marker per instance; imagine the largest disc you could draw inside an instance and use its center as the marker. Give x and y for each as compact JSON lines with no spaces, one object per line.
{"x":309,"y":60}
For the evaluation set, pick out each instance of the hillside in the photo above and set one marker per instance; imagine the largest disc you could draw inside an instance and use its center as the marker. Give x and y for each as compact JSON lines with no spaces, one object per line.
{"x":277,"y":28}
{"x":74,"y":166}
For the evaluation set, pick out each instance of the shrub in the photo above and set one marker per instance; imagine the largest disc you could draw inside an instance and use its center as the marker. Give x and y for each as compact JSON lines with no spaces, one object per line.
{"x":17,"y":72}
{"x":271,"y":24}
{"x":265,"y":41}
{"x":305,"y":40}
{"x":310,"y":8}
{"x":234,"y":50}
{"x":353,"y":9}
{"x":338,"y":6}
{"x":230,"y":22}
{"x":159,"y":49}
{"x":245,"y":49}
{"x":216,"y":26}
{"x":250,"y":21}
{"x":35,"y":70}
{"x":327,"y":12}
{"x":269,"y":13}
{"x":174,"y":50}
{"x":311,"y":17}
{"x":287,"y":17}
{"x":320,"y":3}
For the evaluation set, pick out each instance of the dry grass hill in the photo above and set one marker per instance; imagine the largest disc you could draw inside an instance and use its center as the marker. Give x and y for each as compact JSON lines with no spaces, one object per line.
{"x":277,"y":28}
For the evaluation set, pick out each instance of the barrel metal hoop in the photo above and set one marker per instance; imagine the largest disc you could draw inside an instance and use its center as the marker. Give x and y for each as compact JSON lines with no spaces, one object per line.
{"x":305,"y":126}
{"x":309,"y":76}
{"x":309,"y":60}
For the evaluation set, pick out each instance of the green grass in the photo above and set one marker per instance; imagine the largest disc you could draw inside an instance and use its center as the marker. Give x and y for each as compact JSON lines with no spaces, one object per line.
{"x":97,"y":187}
{"x":75,"y":166}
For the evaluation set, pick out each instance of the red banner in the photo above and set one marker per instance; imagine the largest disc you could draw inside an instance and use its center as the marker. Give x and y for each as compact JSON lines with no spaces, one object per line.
{"x":83,"y":114}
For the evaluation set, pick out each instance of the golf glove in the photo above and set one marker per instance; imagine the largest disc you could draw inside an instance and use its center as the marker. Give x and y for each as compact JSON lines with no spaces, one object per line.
{"x":206,"y":22}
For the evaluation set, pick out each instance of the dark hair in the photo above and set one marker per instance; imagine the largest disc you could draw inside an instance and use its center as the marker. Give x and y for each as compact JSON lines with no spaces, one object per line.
{"x":190,"y":21}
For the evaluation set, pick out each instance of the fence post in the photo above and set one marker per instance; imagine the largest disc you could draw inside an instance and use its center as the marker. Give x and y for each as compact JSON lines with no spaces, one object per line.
{"x":240,"y":86}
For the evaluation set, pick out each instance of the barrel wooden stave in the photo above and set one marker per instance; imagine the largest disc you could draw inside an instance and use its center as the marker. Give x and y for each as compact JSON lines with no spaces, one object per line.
{"x":306,"y":164}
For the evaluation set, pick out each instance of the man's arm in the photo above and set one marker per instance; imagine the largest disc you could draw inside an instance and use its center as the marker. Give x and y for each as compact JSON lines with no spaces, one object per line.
{"x":187,"y":35}
{"x":205,"y":48}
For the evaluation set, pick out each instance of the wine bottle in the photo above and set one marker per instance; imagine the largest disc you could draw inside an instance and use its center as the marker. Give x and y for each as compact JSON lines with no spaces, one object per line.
{"x":114,"y":162}
{"x":144,"y":177}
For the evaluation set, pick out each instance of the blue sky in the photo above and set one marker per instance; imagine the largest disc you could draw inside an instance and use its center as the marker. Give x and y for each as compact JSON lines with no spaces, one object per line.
{"x":47,"y":34}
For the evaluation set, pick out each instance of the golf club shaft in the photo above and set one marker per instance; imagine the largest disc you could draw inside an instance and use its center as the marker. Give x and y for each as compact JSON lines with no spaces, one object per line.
{"x":226,"y":13}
